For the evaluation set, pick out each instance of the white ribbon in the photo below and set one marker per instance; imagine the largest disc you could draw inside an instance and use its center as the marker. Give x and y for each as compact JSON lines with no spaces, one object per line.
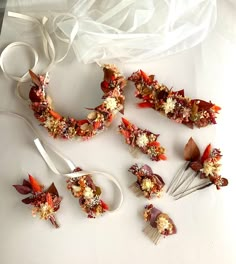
{"x":48,"y":46}
{"x":69,"y":163}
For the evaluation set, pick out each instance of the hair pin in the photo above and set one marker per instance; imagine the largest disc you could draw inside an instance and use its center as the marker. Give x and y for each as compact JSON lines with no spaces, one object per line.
{"x":174,"y":105}
{"x":45,"y":202}
{"x":206,"y":168}
{"x":144,"y":140}
{"x":160,"y":224}
{"x":148,"y":183}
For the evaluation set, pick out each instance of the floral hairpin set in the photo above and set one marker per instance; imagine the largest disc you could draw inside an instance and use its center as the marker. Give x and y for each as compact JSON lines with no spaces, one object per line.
{"x":172,"y":104}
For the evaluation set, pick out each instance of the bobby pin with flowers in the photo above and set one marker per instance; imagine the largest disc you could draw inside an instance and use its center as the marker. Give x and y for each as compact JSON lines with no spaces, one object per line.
{"x":160,"y":224}
{"x":207,"y":167}
{"x":88,"y":194}
{"x":45,"y":202}
{"x":96,"y":121}
{"x":174,"y":105}
{"x":143,"y":140}
{"x":148,"y":183}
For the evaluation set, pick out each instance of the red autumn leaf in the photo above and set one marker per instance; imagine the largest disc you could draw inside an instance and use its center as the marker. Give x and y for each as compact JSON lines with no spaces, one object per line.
{"x":126,"y":122}
{"x":206,"y":153}
{"x":81,"y":122}
{"x":108,"y":74}
{"x":53,"y":190}
{"x":35,"y":78}
{"x":162,"y":157}
{"x":203,"y":104}
{"x":216,"y":108}
{"x":96,"y":125}
{"x":49,"y":199}
{"x":104,"y":206}
{"x":180,"y":92}
{"x":145,"y":76}
{"x":35,"y":185}
{"x":191,"y":151}
{"x":33,"y":96}
{"x":55,"y":114}
{"x":22,"y":189}
{"x":154,"y":144}
{"x":145,"y":105}
{"x":105,"y":86}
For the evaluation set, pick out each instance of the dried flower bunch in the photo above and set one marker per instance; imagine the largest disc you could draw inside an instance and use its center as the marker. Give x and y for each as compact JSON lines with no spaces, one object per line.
{"x":45,"y":202}
{"x":174,"y":105}
{"x":160,"y":224}
{"x":144,"y":140}
{"x":207,"y":167}
{"x":96,"y":121}
{"x":88,"y":194}
{"x":148,"y":183}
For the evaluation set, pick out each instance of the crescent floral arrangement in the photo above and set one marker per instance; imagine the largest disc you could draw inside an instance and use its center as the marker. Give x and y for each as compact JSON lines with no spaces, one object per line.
{"x":159,"y":224}
{"x":97,"y":120}
{"x":88,"y":194}
{"x":205,"y":167}
{"x":45,"y":202}
{"x":173,"y":104}
{"x":144,"y":140}
{"x":148,"y":183}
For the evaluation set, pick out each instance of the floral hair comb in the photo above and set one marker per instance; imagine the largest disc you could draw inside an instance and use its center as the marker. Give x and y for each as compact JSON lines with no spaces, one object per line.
{"x":45,"y":202}
{"x":88,"y":194}
{"x":160,"y":224}
{"x":207,"y":167}
{"x":143,"y":140}
{"x":97,"y":120}
{"x":148,"y":183}
{"x":174,"y":105}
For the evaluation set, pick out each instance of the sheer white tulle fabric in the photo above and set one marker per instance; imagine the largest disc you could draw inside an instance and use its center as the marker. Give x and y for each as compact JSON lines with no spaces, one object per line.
{"x":137,"y":30}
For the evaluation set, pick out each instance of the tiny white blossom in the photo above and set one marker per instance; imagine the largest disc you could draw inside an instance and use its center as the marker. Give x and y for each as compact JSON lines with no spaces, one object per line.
{"x":142,"y":140}
{"x":169,"y":105}
{"x":147,"y":184}
{"x":210,"y":169}
{"x":88,"y":193}
{"x":76,"y":189}
{"x":49,"y":122}
{"x":111,"y":103}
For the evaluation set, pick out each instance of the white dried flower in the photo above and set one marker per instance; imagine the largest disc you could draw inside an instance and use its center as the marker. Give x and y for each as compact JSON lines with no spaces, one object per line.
{"x":169,"y":105}
{"x":210,"y":168}
{"x":142,"y":140}
{"x":147,"y":184}
{"x":111,"y":103}
{"x":88,"y":193}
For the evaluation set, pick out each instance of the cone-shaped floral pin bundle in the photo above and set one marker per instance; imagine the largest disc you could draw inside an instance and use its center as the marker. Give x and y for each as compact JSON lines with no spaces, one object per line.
{"x":45,"y":202}
{"x":148,"y":183}
{"x":205,"y":169}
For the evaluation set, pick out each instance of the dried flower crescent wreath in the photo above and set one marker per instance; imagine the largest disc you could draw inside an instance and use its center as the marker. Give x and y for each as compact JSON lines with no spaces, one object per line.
{"x":96,"y":121}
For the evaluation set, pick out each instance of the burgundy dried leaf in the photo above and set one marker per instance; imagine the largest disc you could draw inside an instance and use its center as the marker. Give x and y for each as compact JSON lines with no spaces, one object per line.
{"x":225,"y":182}
{"x":108,"y":74}
{"x":52,"y":189}
{"x":33,"y":96}
{"x":35,"y":78}
{"x":191,"y":151}
{"x":196,"y":165}
{"x":22,"y":189}
{"x":28,"y":200}
{"x":147,"y":168}
{"x":26,"y":183}
{"x":203,"y":104}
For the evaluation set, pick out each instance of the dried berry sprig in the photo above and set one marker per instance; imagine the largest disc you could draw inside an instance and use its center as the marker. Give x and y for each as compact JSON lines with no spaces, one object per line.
{"x":88,"y":194}
{"x":144,"y":140}
{"x":160,"y":224}
{"x":45,"y":202}
{"x":148,"y":183}
{"x":100,"y":118}
{"x":174,"y":105}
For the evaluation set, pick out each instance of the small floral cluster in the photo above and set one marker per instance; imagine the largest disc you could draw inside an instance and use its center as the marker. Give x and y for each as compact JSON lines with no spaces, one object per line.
{"x":45,"y":202}
{"x":209,"y":166}
{"x":88,"y":194}
{"x":148,"y":182}
{"x":96,"y":121}
{"x":144,"y":140}
{"x":160,"y":224}
{"x":174,"y":105}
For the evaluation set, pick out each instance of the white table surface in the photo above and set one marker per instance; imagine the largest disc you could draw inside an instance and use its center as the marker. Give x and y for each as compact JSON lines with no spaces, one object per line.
{"x":205,"y":220}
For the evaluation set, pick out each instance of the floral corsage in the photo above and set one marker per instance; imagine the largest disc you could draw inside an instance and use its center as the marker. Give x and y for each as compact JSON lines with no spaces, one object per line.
{"x":45,"y":202}
{"x":88,"y":194}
